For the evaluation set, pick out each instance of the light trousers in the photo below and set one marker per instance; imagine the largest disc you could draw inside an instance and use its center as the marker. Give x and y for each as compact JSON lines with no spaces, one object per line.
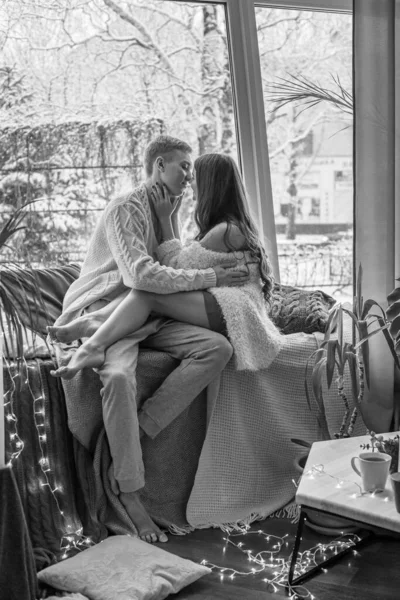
{"x":203,"y":355}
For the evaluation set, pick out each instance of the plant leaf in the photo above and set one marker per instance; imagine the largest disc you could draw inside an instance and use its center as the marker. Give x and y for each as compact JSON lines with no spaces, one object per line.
{"x":331,"y":323}
{"x":317,"y":374}
{"x":352,"y":316}
{"x":300,"y":442}
{"x":364,"y":347}
{"x":359,"y":299}
{"x":352,"y":361}
{"x":394,"y":295}
{"x":394,"y":327}
{"x":371,"y":334}
{"x":331,"y":360}
{"x":389,"y":340}
{"x":368,"y":304}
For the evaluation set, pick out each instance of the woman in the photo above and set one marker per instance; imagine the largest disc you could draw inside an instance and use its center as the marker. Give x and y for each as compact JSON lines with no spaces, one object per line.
{"x":226,"y":229}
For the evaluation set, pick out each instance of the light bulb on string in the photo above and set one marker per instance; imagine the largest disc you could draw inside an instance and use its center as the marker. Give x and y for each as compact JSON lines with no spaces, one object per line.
{"x":78,"y":542}
{"x":280,"y":565}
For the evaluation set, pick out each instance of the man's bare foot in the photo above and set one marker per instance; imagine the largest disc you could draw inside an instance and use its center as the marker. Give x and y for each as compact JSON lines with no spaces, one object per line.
{"x":81,"y":327}
{"x":147,"y":529}
{"x":87,"y":355}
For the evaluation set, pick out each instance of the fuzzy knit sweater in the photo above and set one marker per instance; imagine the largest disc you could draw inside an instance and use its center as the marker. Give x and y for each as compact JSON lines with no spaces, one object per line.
{"x":121,"y":255}
{"x":255,"y":339}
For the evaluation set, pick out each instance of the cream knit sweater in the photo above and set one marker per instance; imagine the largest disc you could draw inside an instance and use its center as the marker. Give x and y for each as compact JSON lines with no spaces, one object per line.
{"x":121,"y":255}
{"x":255,"y":339}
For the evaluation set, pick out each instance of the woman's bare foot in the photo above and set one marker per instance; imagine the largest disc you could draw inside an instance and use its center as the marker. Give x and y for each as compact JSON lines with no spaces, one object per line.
{"x":147,"y":529}
{"x":81,"y":327}
{"x":87,"y":355}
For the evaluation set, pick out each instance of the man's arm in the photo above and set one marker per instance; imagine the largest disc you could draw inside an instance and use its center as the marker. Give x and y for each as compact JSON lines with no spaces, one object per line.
{"x":217,"y":240}
{"x":126,"y":226}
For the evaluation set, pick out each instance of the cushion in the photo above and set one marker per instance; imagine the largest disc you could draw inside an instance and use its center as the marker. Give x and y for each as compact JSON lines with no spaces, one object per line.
{"x":123,"y":567}
{"x":295,"y":310}
{"x":36,"y":310}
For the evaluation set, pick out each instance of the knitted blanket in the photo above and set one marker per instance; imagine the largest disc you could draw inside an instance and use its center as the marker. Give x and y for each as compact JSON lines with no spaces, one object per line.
{"x":246,"y":469}
{"x":255,"y":339}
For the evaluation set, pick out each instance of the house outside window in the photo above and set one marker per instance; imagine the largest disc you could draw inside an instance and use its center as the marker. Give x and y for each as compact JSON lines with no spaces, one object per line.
{"x":306,"y":54}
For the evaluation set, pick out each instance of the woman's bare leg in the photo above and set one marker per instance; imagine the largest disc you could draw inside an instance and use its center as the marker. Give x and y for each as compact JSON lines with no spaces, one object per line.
{"x":85,"y":325}
{"x":128,"y":317}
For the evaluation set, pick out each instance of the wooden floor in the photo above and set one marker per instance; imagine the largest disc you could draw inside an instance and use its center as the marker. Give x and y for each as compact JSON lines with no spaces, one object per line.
{"x":372,"y":574}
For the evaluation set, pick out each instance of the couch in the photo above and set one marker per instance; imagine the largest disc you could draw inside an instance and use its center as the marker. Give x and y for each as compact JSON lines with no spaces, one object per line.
{"x":53,"y":468}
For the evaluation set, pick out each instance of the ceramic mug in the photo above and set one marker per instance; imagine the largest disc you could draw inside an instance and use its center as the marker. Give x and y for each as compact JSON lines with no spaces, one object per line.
{"x":374,"y":469}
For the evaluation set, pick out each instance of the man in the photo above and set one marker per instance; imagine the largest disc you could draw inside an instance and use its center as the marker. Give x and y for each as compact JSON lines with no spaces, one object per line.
{"x":121,"y":255}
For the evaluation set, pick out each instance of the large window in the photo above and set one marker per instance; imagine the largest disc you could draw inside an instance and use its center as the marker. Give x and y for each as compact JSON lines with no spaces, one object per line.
{"x":306,"y":68}
{"x":84,"y":85}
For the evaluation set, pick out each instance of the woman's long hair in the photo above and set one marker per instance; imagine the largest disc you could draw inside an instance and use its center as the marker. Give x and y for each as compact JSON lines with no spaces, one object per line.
{"x":221,"y":197}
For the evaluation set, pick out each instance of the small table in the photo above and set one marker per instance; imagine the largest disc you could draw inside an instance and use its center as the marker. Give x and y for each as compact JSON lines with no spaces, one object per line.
{"x":326,"y":485}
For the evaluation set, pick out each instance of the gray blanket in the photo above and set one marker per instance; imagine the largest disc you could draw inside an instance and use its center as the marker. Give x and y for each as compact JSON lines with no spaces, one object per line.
{"x":170,"y":459}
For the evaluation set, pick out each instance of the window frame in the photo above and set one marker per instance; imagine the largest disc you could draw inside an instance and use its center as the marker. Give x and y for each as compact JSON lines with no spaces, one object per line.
{"x":248,"y":102}
{"x":339,"y":6}
{"x":252,"y":140}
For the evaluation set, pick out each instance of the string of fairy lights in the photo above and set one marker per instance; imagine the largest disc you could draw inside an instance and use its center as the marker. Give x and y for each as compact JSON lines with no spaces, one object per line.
{"x":269,"y":561}
{"x":10,"y":417}
{"x":317,"y":470}
{"x":71,"y":538}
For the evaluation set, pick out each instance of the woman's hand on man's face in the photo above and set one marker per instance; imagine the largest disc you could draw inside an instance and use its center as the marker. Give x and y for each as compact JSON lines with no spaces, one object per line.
{"x":164,"y":204}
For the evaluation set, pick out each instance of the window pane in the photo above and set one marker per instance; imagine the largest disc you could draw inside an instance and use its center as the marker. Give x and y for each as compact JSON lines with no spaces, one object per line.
{"x":306,"y":63}
{"x":84,"y":87}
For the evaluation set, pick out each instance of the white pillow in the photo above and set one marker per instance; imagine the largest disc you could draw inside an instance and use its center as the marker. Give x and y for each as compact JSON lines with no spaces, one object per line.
{"x":123,"y":567}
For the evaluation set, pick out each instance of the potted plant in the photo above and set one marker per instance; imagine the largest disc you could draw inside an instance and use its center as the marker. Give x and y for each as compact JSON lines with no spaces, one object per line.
{"x":388,"y":446}
{"x":336,"y":353}
{"x":338,"y":357}
{"x":297,"y":88}
{"x":19,"y":295}
{"x":378,"y":442}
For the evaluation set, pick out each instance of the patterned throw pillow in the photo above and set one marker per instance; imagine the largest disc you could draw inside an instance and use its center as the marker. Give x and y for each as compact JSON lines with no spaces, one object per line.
{"x":294,"y":310}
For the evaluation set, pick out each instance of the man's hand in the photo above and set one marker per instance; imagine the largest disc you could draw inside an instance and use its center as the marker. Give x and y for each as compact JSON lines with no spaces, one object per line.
{"x":226,"y":276}
{"x":164,"y":204}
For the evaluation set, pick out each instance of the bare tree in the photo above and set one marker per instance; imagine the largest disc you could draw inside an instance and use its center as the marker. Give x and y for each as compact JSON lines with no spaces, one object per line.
{"x":295,"y":46}
{"x":101,"y":62}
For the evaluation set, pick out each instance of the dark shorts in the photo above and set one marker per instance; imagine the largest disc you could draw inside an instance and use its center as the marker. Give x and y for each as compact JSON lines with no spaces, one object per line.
{"x":214,"y":314}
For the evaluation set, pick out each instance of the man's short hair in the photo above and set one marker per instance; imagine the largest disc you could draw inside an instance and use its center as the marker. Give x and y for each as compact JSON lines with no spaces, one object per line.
{"x":162,"y":145}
